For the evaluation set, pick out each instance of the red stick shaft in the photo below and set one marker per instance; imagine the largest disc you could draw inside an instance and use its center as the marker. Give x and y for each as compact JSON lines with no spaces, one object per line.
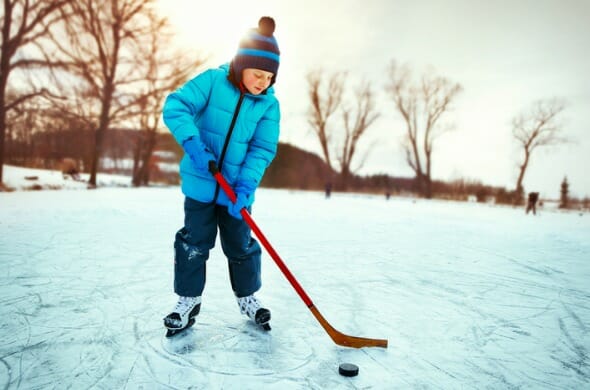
{"x":275,"y":256}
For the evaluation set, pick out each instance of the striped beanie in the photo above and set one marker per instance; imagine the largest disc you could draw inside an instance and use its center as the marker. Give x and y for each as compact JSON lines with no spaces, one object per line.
{"x":258,"y":49}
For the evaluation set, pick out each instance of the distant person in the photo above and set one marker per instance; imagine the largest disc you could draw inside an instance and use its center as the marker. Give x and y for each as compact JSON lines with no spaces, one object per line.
{"x":532,"y":203}
{"x":328,"y":190}
{"x":228,"y":115}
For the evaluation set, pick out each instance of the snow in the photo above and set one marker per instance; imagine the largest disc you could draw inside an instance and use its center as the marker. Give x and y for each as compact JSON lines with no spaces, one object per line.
{"x":19,"y":178}
{"x":468,"y":295}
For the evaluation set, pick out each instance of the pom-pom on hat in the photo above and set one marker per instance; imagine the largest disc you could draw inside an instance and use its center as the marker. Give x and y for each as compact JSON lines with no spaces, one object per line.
{"x":258,"y":49}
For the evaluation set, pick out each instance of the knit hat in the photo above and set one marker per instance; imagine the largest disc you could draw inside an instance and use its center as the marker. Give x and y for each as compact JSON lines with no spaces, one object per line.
{"x":258,"y":49}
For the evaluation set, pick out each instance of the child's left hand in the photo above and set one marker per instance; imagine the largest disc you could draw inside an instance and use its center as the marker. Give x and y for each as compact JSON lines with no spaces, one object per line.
{"x":243,"y":200}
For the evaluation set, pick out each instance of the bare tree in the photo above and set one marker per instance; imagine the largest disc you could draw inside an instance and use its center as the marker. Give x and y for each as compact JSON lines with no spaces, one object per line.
{"x":535,"y":128}
{"x":23,"y":145}
{"x":421,"y":105}
{"x":98,"y":45}
{"x":165,"y":70}
{"x":24,"y":24}
{"x":356,"y":123}
{"x":21,"y":120}
{"x":324,"y":103}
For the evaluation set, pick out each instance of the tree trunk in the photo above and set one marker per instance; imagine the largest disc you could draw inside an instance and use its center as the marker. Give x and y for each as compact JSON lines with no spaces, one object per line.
{"x":519,"y":189}
{"x":344,"y":178}
{"x":321,"y":132}
{"x":428,"y":177}
{"x":100,"y":132}
{"x":2,"y":130}
{"x":4,"y":70}
{"x":137,"y":160}
{"x":427,"y":187}
{"x":148,"y":152}
{"x":145,"y":149}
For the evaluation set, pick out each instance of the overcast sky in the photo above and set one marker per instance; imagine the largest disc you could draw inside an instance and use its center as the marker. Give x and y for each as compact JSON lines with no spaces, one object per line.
{"x":505,"y":54}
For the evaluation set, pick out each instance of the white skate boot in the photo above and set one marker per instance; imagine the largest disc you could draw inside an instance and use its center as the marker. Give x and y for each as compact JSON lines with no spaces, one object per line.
{"x":252,"y":307}
{"x":183,"y":315}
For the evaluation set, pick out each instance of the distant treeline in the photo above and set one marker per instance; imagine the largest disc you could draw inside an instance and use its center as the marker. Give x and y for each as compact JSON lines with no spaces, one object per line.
{"x":299,"y":169}
{"x":292,"y":168}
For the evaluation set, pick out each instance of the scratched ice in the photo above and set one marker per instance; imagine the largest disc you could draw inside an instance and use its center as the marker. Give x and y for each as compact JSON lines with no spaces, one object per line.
{"x":468,"y":295}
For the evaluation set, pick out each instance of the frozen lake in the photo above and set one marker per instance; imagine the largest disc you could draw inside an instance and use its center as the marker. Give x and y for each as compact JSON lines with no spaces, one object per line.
{"x":468,"y":295}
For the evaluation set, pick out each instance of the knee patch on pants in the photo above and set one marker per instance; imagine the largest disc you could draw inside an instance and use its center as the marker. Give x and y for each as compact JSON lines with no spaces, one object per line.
{"x":185,"y":252}
{"x":189,"y":265}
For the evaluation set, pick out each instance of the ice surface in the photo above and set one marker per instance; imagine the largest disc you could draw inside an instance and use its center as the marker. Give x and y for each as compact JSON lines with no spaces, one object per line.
{"x":468,"y":295}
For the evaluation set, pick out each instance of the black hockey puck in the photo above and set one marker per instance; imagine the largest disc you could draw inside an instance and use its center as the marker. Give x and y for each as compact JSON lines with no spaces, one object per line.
{"x":348,"y":369}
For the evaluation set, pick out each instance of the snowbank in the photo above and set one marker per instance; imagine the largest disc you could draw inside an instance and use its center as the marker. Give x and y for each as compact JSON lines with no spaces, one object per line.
{"x":24,"y":179}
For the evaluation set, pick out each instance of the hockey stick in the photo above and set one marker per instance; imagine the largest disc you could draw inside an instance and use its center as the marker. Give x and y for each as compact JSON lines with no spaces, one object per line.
{"x":338,"y":337}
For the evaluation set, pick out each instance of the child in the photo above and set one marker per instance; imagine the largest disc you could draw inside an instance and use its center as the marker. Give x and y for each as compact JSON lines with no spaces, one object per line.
{"x":228,"y":115}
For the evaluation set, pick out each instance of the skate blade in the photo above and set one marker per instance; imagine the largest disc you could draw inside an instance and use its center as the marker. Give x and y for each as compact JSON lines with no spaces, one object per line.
{"x":173,"y":332}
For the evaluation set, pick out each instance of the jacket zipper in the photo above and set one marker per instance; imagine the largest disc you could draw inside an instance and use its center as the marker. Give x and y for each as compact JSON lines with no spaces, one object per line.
{"x":226,"y":143}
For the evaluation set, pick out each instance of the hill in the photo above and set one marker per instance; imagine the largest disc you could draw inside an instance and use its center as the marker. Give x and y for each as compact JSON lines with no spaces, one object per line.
{"x":297,"y":168}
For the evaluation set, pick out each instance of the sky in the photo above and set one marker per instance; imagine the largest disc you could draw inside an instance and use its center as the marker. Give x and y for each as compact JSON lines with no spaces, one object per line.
{"x":468,"y":295}
{"x":505,"y":54}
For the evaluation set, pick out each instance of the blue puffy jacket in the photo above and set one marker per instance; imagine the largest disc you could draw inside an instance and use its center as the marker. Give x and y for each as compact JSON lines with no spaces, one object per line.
{"x":205,"y":107}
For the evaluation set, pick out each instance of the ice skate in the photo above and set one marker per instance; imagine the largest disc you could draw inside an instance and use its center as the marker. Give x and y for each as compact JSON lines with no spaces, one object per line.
{"x":183,"y":315}
{"x":251,"y":307}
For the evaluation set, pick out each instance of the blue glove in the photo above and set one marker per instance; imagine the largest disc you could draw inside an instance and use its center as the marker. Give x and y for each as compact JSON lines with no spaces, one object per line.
{"x":243,"y":200}
{"x":245,"y":197}
{"x":198,"y":153}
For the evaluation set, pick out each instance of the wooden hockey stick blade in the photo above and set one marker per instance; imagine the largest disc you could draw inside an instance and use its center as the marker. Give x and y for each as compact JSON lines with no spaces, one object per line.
{"x":343,"y":339}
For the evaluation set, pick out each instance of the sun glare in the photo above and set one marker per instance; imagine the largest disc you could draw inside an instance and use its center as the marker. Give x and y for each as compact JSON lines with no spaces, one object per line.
{"x":214,"y":27}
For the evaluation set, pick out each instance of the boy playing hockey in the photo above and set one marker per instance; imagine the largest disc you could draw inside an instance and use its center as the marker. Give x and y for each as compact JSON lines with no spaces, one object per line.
{"x":228,"y":115}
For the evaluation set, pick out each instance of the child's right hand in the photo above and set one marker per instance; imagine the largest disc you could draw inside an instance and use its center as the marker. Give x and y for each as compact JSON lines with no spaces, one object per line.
{"x":198,"y":153}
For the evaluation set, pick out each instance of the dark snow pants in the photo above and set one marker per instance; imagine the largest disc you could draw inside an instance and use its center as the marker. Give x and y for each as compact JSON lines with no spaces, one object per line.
{"x":197,"y":237}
